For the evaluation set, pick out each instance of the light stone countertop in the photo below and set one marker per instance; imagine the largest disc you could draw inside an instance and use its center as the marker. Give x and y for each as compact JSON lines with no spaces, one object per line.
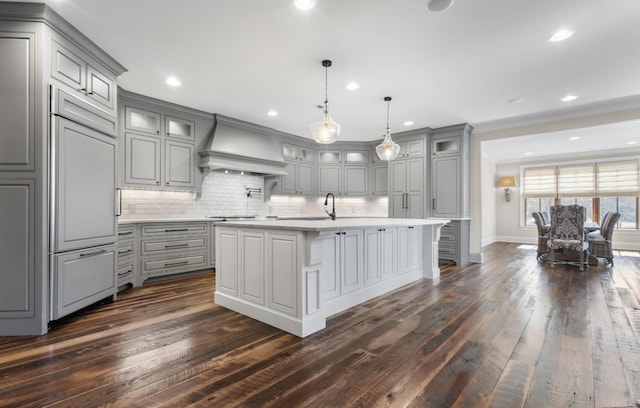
{"x":329,"y":225}
{"x":126,"y":221}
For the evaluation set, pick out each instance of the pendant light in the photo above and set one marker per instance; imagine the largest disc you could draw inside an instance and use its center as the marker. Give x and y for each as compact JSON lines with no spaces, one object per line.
{"x":325,"y":131}
{"x":388,"y":149}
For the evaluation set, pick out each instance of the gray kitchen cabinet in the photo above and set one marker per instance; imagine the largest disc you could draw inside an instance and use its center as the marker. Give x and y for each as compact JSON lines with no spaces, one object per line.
{"x":343,"y":172}
{"x":84,"y":186}
{"x":179,"y":165}
{"x":380,"y":179}
{"x":159,"y":148}
{"x":300,"y":168}
{"x":127,"y":255}
{"x":40,"y":49}
{"x":141,"y":120}
{"x":171,"y":248}
{"x":356,"y":180}
{"x":450,"y":153}
{"x":454,"y":242}
{"x":142,"y":164}
{"x":407,"y":177}
{"x":450,"y":172}
{"x":72,"y":67}
{"x":179,"y":128}
{"x":406,"y":195}
{"x":343,"y":263}
{"x":82,"y":277}
{"x":329,"y":179}
{"x":409,"y":249}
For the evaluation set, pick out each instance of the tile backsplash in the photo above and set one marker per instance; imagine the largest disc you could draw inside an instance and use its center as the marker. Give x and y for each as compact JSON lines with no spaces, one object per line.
{"x":226,"y":194}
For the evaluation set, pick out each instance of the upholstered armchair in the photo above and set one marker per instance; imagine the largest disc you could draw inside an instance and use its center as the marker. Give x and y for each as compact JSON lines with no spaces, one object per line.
{"x":567,"y":231}
{"x":600,"y":243}
{"x":543,"y":235}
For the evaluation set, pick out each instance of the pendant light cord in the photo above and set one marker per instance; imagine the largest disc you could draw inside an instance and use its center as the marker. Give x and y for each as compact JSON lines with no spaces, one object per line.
{"x":326,"y":91}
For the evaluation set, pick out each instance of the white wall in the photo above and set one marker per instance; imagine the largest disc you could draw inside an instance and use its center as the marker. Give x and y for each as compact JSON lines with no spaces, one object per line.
{"x":488,"y":180}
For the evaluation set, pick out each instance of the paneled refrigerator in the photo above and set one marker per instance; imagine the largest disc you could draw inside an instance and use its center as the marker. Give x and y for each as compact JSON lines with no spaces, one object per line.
{"x":84,"y":204}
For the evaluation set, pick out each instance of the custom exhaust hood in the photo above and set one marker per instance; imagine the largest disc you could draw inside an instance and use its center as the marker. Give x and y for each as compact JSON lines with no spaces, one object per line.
{"x":241,"y":146}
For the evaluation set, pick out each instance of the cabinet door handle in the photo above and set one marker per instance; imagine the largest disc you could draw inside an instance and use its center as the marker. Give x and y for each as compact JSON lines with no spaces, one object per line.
{"x":176,"y":263}
{"x":185,"y":244}
{"x":118,"y":203}
{"x":176,"y":229}
{"x":104,"y":251}
{"x":433,"y":204}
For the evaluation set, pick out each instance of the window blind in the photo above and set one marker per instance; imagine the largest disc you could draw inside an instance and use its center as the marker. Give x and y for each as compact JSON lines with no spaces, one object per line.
{"x":578,"y":180}
{"x":539,"y":182}
{"x":618,"y":179}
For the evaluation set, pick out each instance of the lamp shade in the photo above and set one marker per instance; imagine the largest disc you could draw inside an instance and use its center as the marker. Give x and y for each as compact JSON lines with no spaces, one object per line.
{"x":509,"y":181}
{"x":325,"y":131}
{"x":388,"y":149}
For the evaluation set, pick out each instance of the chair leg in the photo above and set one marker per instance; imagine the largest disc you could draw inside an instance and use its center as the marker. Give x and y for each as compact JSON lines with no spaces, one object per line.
{"x":609,"y":261}
{"x":581,"y":261}
{"x":553,"y":256}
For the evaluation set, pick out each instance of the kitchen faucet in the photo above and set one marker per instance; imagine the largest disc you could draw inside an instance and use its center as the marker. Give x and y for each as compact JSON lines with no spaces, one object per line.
{"x":332,"y":214}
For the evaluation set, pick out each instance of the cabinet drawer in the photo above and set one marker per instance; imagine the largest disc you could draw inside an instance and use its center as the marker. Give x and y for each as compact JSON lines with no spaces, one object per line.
{"x":81,"y":278}
{"x":447,"y":251}
{"x":126,"y":233}
{"x":151,"y":247}
{"x":125,"y":252}
{"x":125,"y":272}
{"x":449,"y":236}
{"x":190,"y":262}
{"x":175,"y":229}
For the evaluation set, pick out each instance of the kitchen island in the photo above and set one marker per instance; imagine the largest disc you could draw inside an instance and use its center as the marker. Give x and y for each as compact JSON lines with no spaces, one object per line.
{"x":293,"y":274}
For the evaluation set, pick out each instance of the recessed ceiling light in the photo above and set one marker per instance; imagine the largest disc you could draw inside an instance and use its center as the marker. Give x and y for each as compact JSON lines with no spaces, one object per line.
{"x":173,"y":81}
{"x":528,"y":153}
{"x":574,"y":138}
{"x":408,"y":123}
{"x":516,"y":100}
{"x":352,"y":86}
{"x":305,"y":4}
{"x":560,"y":35}
{"x":631,"y":142}
{"x":569,"y":98}
{"x":438,"y":5}
{"x":272,"y":113}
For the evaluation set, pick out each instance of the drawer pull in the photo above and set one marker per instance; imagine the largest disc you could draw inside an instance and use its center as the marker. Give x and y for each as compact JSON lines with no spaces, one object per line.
{"x":176,"y":229}
{"x":125,"y":252}
{"x":185,"y":244}
{"x":104,"y":251}
{"x":176,"y":263}
{"x":128,"y":271}
{"x":125,"y":233}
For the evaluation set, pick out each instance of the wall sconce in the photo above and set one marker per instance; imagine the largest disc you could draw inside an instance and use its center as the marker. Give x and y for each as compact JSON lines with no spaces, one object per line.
{"x":507,"y":183}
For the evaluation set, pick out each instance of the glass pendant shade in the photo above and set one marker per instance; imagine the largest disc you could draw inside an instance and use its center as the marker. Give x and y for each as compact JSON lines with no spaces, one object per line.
{"x":325,"y":131}
{"x":388,"y":149}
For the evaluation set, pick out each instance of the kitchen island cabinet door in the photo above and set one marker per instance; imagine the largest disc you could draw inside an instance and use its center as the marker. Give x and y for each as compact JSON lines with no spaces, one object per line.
{"x":282,"y":273}
{"x":142,"y":159}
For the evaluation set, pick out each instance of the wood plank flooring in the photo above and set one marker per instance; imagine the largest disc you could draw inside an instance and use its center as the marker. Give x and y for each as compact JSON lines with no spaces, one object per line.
{"x":507,"y":333}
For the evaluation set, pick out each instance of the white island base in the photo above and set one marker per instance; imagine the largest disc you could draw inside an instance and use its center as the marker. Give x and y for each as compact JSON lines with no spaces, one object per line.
{"x":294,"y":274}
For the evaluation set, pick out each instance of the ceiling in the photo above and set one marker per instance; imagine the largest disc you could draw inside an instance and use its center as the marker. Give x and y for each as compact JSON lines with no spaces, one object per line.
{"x":242,"y":58}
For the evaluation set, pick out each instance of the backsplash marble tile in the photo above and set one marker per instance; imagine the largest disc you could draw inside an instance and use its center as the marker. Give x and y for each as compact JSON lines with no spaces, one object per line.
{"x":225,"y":194}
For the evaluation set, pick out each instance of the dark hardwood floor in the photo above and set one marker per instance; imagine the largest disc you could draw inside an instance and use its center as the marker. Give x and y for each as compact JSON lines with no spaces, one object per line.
{"x":507,"y":333}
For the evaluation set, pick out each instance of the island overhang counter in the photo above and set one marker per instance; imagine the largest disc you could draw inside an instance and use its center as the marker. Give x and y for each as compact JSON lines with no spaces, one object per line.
{"x":293,"y":274}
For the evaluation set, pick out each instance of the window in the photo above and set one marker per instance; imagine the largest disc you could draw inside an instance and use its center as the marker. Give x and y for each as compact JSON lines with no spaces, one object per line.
{"x":612,"y":186}
{"x":532,"y":205}
{"x":626,"y":206}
